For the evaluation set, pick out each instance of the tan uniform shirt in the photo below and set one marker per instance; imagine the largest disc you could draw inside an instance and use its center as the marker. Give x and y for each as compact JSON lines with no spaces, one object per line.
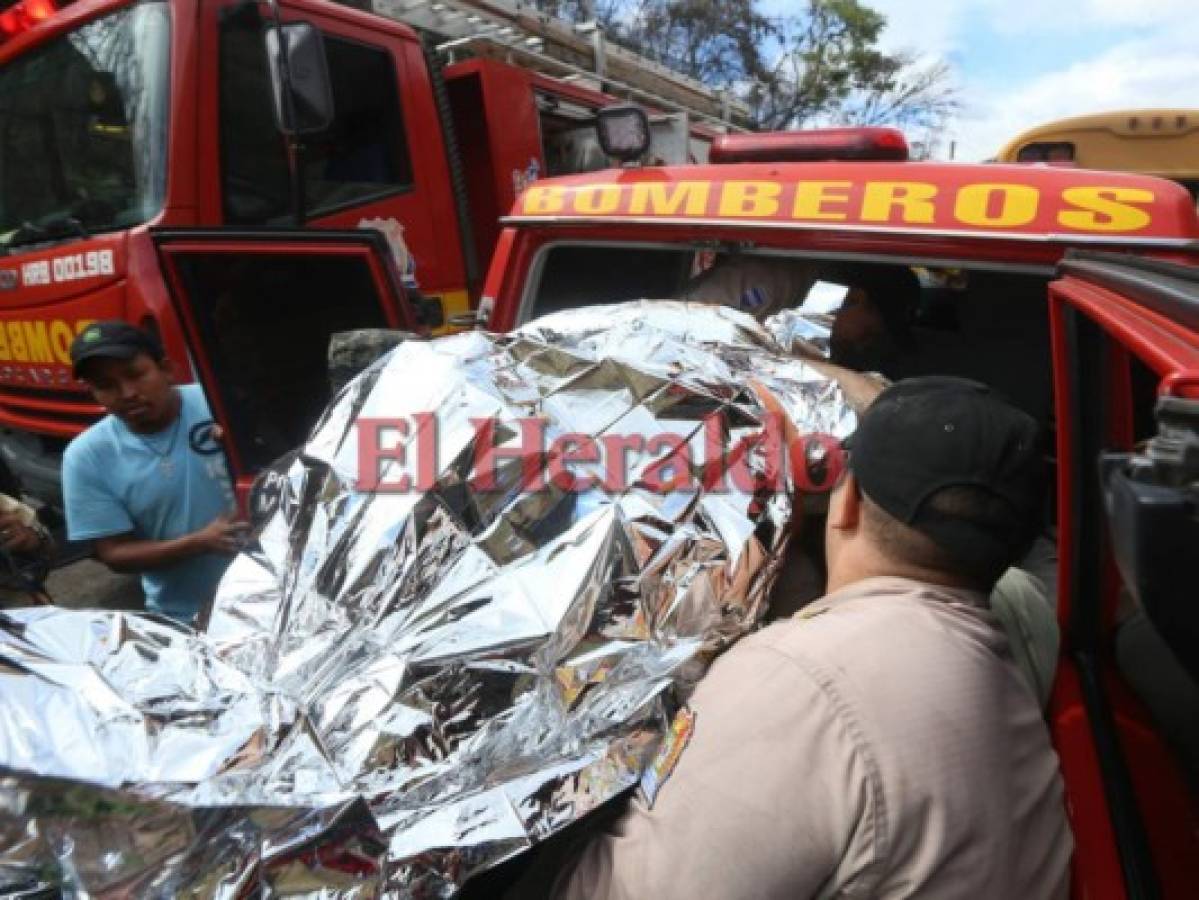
{"x":759,"y":286}
{"x":882,"y":744}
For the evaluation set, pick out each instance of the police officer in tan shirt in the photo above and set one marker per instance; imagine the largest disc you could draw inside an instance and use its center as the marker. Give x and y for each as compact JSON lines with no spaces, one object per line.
{"x":882,"y":743}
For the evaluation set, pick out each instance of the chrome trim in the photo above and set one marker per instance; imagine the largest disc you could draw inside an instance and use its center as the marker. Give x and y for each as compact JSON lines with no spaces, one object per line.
{"x":1044,"y":238}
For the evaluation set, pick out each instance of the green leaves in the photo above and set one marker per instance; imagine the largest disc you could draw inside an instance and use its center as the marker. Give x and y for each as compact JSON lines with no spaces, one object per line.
{"x":821,"y":65}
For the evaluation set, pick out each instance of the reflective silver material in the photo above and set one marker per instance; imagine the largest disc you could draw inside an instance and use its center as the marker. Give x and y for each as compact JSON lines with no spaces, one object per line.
{"x":800,"y":333}
{"x":399,"y":689}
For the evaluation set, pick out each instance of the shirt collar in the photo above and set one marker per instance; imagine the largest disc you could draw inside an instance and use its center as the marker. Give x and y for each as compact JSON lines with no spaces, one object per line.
{"x":892,"y":584}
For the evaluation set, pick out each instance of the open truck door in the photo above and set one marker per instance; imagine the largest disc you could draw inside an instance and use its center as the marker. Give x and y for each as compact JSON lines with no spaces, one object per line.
{"x":1125,"y":711}
{"x":257,"y":310}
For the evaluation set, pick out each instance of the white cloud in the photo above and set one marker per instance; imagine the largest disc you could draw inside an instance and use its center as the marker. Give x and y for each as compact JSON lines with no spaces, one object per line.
{"x":1109,"y":54}
{"x":926,"y":26}
{"x":1158,"y":71}
{"x":940,"y":25}
{"x":1038,"y":16}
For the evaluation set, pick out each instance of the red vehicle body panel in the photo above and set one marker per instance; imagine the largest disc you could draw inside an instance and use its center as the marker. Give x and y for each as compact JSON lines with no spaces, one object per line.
{"x":1167,"y":805}
{"x":495,"y":109}
{"x":383,"y":277}
{"x":1010,"y":216}
{"x":932,"y":200}
{"x":654,"y":207}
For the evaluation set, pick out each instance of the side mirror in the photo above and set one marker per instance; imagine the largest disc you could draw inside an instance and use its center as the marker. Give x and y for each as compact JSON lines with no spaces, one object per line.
{"x":1152,"y":501}
{"x":300,"y":66}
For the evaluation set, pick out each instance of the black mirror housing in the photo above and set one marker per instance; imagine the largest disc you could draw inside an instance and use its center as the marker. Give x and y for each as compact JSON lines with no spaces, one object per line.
{"x":305,"y":68}
{"x":1152,"y":503}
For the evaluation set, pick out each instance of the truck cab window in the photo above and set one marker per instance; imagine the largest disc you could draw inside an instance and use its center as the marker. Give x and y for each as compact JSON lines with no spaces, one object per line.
{"x":575,"y":276}
{"x":265,"y":323}
{"x":361,"y":156}
{"x":255,"y":186}
{"x":364,"y":153}
{"x":83,"y":129}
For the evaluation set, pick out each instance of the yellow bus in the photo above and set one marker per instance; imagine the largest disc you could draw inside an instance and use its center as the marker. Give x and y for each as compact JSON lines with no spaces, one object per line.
{"x":1162,"y":142}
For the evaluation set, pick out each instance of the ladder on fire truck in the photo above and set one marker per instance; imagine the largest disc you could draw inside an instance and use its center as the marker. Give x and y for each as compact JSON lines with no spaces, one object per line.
{"x":524,"y":35}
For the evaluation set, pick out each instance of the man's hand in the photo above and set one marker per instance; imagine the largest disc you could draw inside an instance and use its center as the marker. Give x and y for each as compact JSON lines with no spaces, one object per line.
{"x":16,"y":536}
{"x":860,"y":388}
{"x":224,"y":534}
{"x":127,"y":553}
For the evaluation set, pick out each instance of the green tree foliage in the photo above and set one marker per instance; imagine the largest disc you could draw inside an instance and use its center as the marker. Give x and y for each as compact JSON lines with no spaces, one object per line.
{"x":821,"y":65}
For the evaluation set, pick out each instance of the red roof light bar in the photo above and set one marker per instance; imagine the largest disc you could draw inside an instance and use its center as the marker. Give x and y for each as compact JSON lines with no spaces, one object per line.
{"x":815,"y":145}
{"x":23,"y":16}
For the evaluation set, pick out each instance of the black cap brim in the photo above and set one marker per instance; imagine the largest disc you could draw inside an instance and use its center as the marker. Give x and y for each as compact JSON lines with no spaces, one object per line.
{"x":109,"y":352}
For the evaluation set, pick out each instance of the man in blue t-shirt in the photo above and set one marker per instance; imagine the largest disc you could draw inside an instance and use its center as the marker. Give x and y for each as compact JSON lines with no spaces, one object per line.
{"x":147,"y":483}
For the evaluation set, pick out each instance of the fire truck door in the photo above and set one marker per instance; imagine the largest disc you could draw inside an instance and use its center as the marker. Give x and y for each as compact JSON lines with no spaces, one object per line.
{"x":257,"y":309}
{"x":1125,"y":711}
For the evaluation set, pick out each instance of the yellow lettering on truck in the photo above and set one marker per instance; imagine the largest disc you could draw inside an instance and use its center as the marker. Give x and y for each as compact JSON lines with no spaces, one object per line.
{"x":60,"y":341}
{"x":914,"y":198}
{"x":548,"y":199}
{"x":16,"y":342}
{"x":750,"y":198}
{"x":811,"y":198}
{"x":988,"y":206}
{"x":1105,"y":208}
{"x":37,"y":341}
{"x":996,"y":205}
{"x":597,"y":199}
{"x":667,"y":199}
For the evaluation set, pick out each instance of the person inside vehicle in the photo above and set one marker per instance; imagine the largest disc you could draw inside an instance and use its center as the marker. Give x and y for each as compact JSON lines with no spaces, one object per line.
{"x":871,"y":331}
{"x":757,"y":285}
{"x":882,"y":743}
{"x":147,"y":484}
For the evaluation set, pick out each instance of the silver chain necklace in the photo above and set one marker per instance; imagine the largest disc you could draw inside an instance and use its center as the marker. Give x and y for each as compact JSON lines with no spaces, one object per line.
{"x":166,"y":465}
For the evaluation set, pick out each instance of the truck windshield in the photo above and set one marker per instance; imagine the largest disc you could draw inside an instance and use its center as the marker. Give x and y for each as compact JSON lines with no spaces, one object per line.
{"x":83,"y":129}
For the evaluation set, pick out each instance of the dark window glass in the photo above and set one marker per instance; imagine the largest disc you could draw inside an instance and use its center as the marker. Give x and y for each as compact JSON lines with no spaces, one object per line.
{"x":583,"y":276}
{"x":570,"y":147}
{"x":83,"y":125}
{"x":256,"y":186}
{"x":361,"y":156}
{"x":1046,"y":152}
{"x":363,"y":153}
{"x":265,"y":321}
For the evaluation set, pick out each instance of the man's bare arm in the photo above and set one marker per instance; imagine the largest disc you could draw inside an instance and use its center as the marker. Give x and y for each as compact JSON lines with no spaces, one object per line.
{"x":860,"y":387}
{"x":126,"y":553}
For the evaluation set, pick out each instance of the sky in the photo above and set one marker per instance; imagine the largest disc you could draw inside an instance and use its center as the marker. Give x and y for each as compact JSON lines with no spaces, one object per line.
{"x":1019,"y":63}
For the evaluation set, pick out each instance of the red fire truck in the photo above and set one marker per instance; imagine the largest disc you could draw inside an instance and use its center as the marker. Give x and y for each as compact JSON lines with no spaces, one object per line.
{"x":1076,"y":293}
{"x":1078,"y":297}
{"x":118,"y":116}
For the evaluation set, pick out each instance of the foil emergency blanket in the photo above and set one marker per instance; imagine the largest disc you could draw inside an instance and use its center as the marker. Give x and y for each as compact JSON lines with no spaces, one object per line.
{"x":801,"y":333}
{"x":400,"y":688}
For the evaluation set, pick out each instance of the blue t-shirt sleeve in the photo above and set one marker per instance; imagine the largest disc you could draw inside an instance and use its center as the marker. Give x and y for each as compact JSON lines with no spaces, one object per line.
{"x":93,"y":510}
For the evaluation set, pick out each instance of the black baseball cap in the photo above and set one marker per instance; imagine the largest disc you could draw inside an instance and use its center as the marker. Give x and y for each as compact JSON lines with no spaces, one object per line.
{"x":112,"y":339}
{"x":924,"y":434}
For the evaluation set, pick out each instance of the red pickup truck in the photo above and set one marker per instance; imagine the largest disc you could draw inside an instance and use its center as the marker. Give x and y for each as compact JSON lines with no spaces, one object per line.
{"x":1075,"y":292}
